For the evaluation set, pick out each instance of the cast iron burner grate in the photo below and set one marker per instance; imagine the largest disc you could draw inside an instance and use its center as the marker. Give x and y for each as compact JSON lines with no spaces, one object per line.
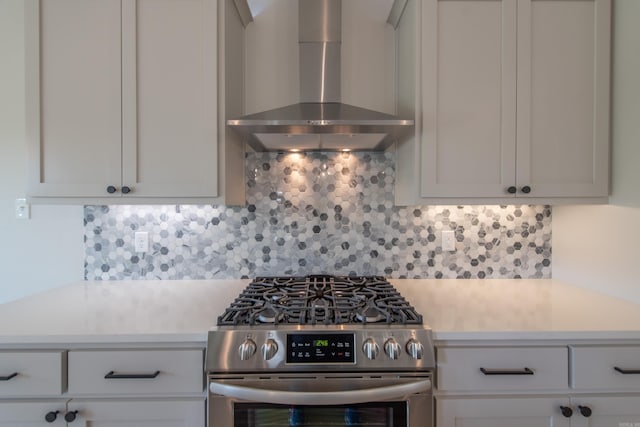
{"x":311,"y":300}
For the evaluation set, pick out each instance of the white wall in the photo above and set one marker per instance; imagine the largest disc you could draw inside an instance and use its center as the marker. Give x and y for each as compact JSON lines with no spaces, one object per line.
{"x":598,"y":246}
{"x":47,"y":250}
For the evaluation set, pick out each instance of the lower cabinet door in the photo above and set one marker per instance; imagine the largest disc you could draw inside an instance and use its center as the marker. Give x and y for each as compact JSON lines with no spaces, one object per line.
{"x":615,"y":411}
{"x":32,"y":413}
{"x":501,"y":412}
{"x":137,"y":413}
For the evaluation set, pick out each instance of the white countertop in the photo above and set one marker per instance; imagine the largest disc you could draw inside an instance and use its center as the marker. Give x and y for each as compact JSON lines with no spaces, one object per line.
{"x":131,"y":312}
{"x":519,"y":309}
{"x":183,"y":311}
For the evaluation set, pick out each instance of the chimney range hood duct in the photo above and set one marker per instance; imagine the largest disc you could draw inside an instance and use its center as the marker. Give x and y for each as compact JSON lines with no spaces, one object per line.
{"x":320,"y":121}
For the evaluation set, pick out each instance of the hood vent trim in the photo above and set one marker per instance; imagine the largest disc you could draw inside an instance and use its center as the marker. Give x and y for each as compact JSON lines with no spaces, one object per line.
{"x":320,"y":122}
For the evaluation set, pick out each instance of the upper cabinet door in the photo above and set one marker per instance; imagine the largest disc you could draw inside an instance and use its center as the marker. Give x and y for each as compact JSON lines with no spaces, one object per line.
{"x":515,"y":99}
{"x":122,"y":99}
{"x":469,"y":98}
{"x":563,"y":97}
{"x":170,"y":133}
{"x":73,"y":96}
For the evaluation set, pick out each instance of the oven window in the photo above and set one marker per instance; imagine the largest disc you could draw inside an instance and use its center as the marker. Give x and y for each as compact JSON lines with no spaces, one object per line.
{"x":385,"y":414}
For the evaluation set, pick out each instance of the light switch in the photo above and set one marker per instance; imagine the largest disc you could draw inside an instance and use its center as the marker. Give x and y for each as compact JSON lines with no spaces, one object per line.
{"x":23,"y":209}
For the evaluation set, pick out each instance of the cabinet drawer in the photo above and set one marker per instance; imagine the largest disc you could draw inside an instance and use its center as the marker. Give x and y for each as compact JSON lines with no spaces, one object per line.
{"x":31,"y":373}
{"x":595,"y":367}
{"x":135,"y":372}
{"x":502,"y":368}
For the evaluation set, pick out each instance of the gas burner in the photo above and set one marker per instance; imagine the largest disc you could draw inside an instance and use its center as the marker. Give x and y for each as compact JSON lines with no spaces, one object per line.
{"x":319,"y":294}
{"x":311,"y":300}
{"x":269,"y":315}
{"x":370,"y":314}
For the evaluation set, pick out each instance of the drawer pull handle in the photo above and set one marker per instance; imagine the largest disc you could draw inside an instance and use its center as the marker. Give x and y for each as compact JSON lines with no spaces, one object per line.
{"x":523,"y":371}
{"x":113,"y":376}
{"x":8,"y":377}
{"x":627,"y":371}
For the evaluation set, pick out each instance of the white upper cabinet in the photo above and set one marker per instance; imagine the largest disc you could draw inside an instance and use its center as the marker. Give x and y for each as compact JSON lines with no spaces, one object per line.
{"x":122,"y":95}
{"x":469,"y":97}
{"x":514,"y":102}
{"x":169,"y":97}
{"x":563,"y":97}
{"x":73,"y":82}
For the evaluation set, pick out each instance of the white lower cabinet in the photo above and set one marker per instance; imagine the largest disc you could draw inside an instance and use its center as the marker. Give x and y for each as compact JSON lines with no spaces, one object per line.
{"x":559,"y":385}
{"x":502,"y":386}
{"x":608,"y":380}
{"x":32,"y":413}
{"x":31,"y":388}
{"x":32,"y":373}
{"x":105,"y":387}
{"x":136,"y":388}
{"x":504,"y":411}
{"x":154,"y":372}
{"x":503,"y":369}
{"x":501,"y":412}
{"x":137,"y":413}
{"x":103,"y":413}
{"x":606,"y":411}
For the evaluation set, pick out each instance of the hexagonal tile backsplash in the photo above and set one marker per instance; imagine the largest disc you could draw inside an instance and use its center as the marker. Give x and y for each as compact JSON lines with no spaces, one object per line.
{"x":318,"y":213}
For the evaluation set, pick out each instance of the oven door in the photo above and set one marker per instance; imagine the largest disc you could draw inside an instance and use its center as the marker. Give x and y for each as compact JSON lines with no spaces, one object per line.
{"x":320,"y":400}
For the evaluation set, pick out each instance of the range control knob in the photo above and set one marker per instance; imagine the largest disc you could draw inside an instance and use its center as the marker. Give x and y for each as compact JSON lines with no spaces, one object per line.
{"x":415,"y":349}
{"x":269,"y":349}
{"x":392,"y":348}
{"x":247,"y":349}
{"x":370,"y":348}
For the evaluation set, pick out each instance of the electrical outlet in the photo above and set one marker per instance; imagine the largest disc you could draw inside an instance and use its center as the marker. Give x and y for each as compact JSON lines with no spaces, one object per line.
{"x":141,"y":241}
{"x":23,"y":210}
{"x":448,"y":240}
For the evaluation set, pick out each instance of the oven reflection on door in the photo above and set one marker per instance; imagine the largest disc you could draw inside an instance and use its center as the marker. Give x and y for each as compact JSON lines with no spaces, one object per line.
{"x":386,"y":414}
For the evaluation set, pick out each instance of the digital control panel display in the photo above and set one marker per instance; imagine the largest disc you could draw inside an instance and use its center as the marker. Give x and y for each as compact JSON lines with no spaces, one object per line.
{"x":320,"y":348}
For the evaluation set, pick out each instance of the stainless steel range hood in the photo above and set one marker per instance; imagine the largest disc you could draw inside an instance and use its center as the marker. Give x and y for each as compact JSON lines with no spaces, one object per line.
{"x":320,"y":121}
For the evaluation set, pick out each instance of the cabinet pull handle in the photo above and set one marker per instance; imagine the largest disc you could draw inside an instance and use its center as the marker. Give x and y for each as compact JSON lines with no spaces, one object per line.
{"x":627,"y":371}
{"x":526,"y":189}
{"x":585,"y":411}
{"x":113,"y":376}
{"x":8,"y":377}
{"x":512,"y":190}
{"x":51,"y":416}
{"x":111,"y":189}
{"x":126,"y":190}
{"x":523,"y":371}
{"x":70,"y":416}
{"x":566,"y":411}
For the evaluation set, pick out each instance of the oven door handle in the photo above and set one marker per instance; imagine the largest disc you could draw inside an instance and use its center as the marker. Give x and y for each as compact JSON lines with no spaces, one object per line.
{"x":283,"y":397}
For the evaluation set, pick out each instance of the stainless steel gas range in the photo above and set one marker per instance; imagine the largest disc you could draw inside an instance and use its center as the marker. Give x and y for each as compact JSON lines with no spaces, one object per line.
{"x":320,"y":351}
